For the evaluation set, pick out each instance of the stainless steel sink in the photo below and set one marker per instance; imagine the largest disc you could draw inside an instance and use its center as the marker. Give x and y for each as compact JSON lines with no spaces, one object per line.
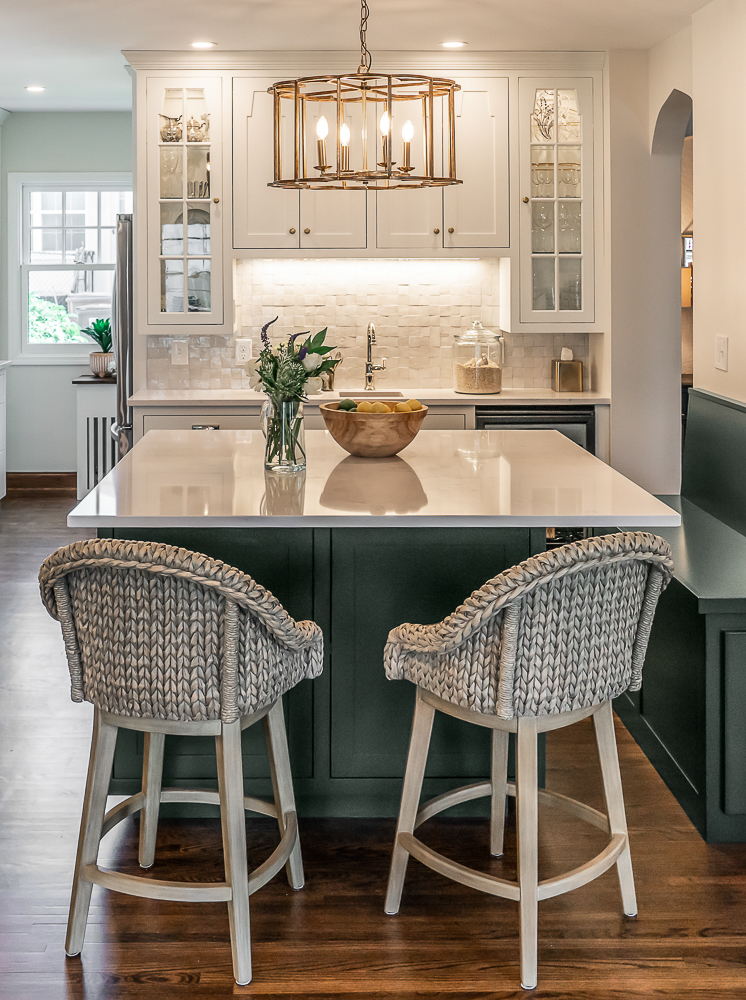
{"x":368,"y":394}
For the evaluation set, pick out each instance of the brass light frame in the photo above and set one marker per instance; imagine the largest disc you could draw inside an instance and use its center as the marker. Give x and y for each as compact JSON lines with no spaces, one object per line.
{"x":373,"y":92}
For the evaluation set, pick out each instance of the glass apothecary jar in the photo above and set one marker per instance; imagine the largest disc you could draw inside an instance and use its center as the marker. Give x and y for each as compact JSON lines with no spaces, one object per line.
{"x":478,"y":358}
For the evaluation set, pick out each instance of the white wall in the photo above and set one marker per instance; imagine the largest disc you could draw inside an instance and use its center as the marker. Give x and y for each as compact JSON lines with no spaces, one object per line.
{"x":41,"y":399}
{"x":645,"y":299}
{"x":719,"y":76}
{"x":669,"y":68}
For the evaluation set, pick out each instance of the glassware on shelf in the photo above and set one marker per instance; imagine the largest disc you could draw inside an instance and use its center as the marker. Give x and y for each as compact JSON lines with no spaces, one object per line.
{"x":570,"y":288}
{"x":543,"y":283}
{"x":198,"y":285}
{"x":542,"y":172}
{"x":171,"y":172}
{"x":172,"y":286}
{"x":568,"y":171}
{"x":198,"y":172}
{"x":568,"y":227}
{"x":542,"y":227}
{"x":172,"y":114}
{"x":197,"y":117}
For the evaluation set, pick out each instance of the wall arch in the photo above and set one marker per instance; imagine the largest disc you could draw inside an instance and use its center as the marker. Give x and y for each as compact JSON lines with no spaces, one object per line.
{"x":671,"y":124}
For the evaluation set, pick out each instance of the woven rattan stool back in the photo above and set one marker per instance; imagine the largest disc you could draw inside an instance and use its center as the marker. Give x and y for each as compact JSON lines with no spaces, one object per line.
{"x":154,"y":631}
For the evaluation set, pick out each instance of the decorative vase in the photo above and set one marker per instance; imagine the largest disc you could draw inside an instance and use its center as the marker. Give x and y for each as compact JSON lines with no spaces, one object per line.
{"x":100,"y":361}
{"x":282,"y":424}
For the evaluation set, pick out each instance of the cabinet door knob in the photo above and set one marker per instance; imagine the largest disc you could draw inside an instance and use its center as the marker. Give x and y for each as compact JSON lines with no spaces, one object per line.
{"x":292,"y":231}
{"x":306,"y":231}
{"x":450,"y":229}
{"x":216,"y":200}
{"x":436,"y":231}
{"x":525,"y":201}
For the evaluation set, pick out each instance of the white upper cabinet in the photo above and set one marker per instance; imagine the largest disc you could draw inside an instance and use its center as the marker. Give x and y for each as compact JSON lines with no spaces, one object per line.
{"x":557,"y":249}
{"x":476,"y":213}
{"x":273,"y":218}
{"x":184,"y":198}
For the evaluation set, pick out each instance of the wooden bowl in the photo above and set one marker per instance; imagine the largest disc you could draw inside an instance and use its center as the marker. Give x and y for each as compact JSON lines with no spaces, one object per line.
{"x":372,"y":435}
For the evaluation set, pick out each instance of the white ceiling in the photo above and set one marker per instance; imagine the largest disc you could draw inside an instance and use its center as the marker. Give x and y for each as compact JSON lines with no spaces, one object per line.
{"x":73,"y":47}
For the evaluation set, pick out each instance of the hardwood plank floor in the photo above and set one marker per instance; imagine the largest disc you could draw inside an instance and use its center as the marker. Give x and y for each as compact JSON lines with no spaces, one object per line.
{"x":331,"y":939}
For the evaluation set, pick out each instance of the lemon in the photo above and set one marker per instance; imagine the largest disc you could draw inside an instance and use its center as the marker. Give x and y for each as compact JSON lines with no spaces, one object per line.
{"x":414,"y":404}
{"x":380,"y":408}
{"x":364,"y":407}
{"x":402,"y":408}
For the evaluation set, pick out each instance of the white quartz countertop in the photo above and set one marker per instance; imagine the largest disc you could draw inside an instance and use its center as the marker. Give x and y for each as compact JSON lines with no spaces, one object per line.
{"x":511,"y":478}
{"x":430,"y":397}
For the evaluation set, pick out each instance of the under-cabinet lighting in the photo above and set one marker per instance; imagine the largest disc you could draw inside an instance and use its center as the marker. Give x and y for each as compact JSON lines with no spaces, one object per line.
{"x":203,"y":45}
{"x":453,"y":45}
{"x":35,"y":90}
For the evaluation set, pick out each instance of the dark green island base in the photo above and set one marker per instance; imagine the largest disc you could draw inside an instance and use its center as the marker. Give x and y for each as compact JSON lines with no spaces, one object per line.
{"x":349,"y":729}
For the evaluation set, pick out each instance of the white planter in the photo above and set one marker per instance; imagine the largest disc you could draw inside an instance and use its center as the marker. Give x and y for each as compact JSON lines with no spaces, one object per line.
{"x":100,"y":361}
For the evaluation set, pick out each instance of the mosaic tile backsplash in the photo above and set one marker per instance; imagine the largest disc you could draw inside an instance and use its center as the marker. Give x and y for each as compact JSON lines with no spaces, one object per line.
{"x":417,"y":306}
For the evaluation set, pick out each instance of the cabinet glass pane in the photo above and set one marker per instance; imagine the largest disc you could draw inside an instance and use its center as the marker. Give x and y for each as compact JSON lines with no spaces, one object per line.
{"x":198,"y":119}
{"x":198,"y":172}
{"x":172,"y":286}
{"x":172,"y":115}
{"x":542,"y":227}
{"x":542,"y":117}
{"x":172,"y":167}
{"x":543,"y":283}
{"x":198,"y":228}
{"x":568,"y":171}
{"x":542,"y":172}
{"x":198,"y":285}
{"x":172,"y":228}
{"x":568,"y":227}
{"x":570,"y":290}
{"x":568,"y":119}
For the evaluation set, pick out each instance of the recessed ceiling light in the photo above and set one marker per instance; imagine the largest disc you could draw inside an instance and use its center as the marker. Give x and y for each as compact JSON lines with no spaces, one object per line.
{"x":35,"y":90}
{"x":203,"y":45}
{"x":453,"y":45}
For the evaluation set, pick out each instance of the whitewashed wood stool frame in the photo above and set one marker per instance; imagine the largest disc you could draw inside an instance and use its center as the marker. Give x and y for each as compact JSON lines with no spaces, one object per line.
{"x":239,"y":883}
{"x":527,"y":890}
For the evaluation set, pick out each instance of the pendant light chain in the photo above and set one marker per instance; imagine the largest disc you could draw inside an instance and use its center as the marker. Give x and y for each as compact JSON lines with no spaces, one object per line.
{"x":365,"y":56}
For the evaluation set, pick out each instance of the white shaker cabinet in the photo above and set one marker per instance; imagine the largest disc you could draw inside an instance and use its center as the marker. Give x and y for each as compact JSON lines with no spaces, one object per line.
{"x":184,"y":203}
{"x":3,"y":364}
{"x":274,"y":218}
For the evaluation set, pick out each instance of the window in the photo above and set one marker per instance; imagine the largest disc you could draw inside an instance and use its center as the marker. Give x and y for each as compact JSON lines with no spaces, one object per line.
{"x":67,"y":257}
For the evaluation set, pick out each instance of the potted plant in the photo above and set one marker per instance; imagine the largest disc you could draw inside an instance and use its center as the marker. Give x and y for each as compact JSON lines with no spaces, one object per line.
{"x":100,"y":331}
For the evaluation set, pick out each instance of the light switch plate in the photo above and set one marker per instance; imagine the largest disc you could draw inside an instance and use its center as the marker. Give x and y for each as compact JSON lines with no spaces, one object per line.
{"x":244,"y":350}
{"x":721,"y":353}
{"x":179,"y":352}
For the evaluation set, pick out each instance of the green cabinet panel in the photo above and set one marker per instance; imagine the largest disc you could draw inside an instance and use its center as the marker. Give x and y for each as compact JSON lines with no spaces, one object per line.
{"x":734,"y":726}
{"x":380,"y":579}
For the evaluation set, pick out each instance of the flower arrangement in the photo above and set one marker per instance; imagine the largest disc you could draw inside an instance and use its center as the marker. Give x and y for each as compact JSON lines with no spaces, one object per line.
{"x":287,"y":373}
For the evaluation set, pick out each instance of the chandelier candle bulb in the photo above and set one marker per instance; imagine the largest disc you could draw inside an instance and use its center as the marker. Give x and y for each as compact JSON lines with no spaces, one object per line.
{"x":344,"y":141}
{"x":322,"y":131}
{"x":407,"y":133}
{"x":385,"y":126}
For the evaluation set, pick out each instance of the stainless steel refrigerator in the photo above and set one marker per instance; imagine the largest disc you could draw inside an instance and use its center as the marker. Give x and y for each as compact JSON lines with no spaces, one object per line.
{"x":123,"y":332}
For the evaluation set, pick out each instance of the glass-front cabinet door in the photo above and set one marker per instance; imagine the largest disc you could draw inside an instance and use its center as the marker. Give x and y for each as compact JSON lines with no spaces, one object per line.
{"x":556,"y":231}
{"x":184,"y":174}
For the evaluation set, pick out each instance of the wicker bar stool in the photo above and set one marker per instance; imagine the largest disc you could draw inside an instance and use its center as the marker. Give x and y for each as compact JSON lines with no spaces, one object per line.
{"x":167,"y":641}
{"x":543,"y":645}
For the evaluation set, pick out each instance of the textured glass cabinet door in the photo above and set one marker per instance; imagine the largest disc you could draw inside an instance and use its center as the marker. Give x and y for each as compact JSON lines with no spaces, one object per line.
{"x":556,"y":167}
{"x":184,"y":202}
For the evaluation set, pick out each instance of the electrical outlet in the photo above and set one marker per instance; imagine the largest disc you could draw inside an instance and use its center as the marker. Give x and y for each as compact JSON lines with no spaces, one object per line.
{"x":721,"y":353}
{"x":179,"y":352}
{"x":244,"y":350}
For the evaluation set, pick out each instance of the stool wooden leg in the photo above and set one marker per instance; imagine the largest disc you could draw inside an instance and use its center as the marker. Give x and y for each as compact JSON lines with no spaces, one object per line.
{"x":500,"y":742}
{"x":233,"y":820}
{"x":94,"y":806}
{"x":152,"y":774}
{"x":282,"y":785}
{"x":527,"y":802}
{"x":419,"y":743}
{"x":603,"y":722}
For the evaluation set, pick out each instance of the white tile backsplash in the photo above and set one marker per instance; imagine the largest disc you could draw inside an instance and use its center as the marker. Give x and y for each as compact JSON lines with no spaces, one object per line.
{"x":418,"y":306}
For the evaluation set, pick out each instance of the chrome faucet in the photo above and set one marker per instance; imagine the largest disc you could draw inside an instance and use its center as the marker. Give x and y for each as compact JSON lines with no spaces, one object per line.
{"x":370,"y":368}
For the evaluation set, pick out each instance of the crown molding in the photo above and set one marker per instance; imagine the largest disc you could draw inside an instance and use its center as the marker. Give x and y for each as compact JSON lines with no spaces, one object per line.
{"x":3,"y":115}
{"x":298,"y":63}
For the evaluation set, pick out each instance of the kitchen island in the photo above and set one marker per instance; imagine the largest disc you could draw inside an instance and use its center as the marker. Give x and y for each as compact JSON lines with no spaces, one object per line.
{"x":359,"y":546}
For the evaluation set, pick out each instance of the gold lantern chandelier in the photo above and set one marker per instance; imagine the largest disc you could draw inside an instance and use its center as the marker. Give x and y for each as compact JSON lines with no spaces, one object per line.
{"x":357,"y":117}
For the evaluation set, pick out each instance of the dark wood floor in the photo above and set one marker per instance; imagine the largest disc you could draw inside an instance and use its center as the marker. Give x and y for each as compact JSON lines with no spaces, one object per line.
{"x":332,"y":939}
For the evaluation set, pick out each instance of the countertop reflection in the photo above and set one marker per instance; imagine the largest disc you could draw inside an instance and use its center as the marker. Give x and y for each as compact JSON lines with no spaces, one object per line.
{"x":444,"y":478}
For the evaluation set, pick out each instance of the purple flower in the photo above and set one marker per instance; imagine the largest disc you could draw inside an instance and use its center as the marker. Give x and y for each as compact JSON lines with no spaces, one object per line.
{"x":302,"y":352}
{"x":265,"y":336}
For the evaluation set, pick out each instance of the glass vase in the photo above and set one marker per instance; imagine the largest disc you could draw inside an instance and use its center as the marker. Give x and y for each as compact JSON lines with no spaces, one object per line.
{"x":282,"y":424}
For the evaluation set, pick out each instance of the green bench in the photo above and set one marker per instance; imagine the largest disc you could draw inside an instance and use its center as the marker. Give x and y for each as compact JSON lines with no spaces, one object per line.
{"x":690,"y":716}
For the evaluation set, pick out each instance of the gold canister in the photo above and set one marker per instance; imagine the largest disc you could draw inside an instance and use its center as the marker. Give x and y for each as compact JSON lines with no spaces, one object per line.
{"x":567,"y":376}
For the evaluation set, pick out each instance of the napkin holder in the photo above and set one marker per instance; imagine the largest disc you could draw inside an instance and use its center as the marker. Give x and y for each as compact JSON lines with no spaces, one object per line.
{"x":567,"y":376}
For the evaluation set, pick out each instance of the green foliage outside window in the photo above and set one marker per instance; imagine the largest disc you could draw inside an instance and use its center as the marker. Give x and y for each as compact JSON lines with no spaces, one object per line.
{"x":51,"y":323}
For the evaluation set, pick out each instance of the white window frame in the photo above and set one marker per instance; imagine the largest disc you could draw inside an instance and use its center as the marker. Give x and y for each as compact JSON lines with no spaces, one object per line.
{"x":21,"y":352}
